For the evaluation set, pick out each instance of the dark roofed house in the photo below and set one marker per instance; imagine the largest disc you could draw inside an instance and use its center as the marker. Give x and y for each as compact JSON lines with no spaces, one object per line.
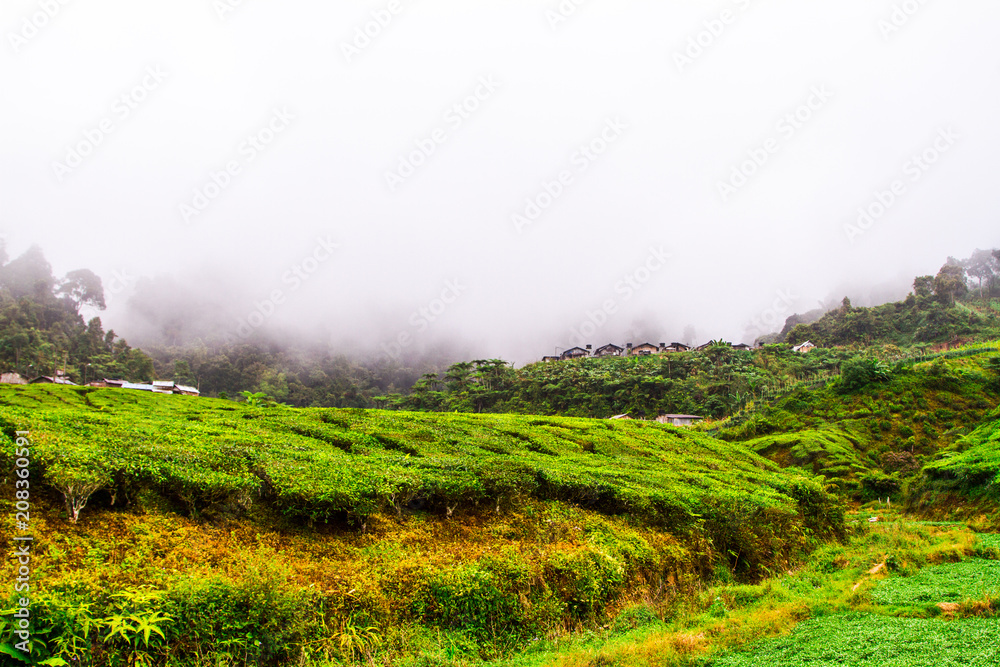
{"x":679,"y":420}
{"x":58,"y":378}
{"x":741,"y":346}
{"x":645,"y":349}
{"x":550,"y":358}
{"x":609,"y":350}
{"x":676,"y":347}
{"x":575,"y":353}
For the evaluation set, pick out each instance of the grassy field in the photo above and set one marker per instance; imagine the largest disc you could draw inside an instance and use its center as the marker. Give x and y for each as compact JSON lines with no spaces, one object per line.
{"x":271,"y":536}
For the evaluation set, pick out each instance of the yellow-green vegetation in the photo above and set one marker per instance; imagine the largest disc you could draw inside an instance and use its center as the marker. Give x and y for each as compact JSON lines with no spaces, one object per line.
{"x":822,"y":613}
{"x":206,"y":532}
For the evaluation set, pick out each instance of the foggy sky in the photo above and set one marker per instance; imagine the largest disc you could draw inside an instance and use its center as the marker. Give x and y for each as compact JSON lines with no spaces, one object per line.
{"x":240,"y":150}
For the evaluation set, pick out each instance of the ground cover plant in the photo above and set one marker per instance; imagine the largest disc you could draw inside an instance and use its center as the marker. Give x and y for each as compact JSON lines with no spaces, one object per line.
{"x":951,"y":582}
{"x":870,"y":640}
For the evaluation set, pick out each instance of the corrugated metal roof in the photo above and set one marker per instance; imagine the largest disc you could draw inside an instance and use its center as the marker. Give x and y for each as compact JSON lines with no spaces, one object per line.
{"x":140,"y":387}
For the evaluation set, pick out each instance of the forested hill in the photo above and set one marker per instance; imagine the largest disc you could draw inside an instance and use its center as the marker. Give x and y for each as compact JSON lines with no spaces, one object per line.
{"x":960,"y":304}
{"x":41,"y":328}
{"x":712,"y":382}
{"x":961,"y":301}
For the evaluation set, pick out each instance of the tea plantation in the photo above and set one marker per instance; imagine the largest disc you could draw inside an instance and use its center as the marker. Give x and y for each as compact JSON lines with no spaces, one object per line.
{"x":210,"y":532}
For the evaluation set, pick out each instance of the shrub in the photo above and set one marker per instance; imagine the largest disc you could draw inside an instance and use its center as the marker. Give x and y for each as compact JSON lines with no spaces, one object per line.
{"x":857,"y":373}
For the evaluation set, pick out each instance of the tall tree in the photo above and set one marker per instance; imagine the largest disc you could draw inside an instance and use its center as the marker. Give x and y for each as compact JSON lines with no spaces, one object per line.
{"x":982,"y":265}
{"x":82,"y":287}
{"x":949,"y":284}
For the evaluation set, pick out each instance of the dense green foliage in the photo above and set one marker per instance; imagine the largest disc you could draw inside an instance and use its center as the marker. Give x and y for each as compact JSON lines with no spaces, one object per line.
{"x":871,"y":434}
{"x":939,"y":309}
{"x":973,"y":465}
{"x":712,"y":382}
{"x":345,"y":465}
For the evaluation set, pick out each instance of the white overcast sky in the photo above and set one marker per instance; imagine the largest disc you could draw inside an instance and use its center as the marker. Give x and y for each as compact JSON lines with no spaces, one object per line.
{"x":887,"y":95}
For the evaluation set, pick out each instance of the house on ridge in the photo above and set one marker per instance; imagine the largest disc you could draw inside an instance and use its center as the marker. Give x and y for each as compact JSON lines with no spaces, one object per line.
{"x":645,"y":349}
{"x":575,"y":353}
{"x":803,"y":347}
{"x":679,"y":420}
{"x":61,"y":377}
{"x":609,"y":350}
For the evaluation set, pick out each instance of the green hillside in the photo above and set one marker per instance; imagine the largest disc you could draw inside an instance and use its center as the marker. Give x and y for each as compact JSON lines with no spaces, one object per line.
{"x":363,"y":531}
{"x":871,"y":432}
{"x":971,"y":467}
{"x":714,"y":382}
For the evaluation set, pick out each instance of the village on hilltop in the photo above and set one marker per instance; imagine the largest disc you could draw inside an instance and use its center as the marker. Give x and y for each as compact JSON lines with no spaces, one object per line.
{"x":647,"y":349}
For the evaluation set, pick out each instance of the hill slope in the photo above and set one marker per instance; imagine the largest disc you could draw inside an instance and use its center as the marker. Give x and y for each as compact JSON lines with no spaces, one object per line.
{"x":871,"y":435}
{"x":357,"y":531}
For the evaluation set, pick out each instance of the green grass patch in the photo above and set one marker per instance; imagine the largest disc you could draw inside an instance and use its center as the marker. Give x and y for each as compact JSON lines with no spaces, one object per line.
{"x":949,"y":582}
{"x":870,"y":640}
